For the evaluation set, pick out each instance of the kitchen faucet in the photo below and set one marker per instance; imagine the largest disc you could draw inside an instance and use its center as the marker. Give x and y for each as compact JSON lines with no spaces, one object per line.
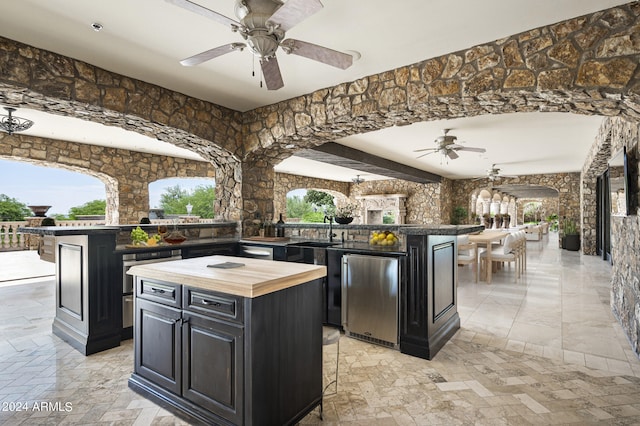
{"x":331,"y":234}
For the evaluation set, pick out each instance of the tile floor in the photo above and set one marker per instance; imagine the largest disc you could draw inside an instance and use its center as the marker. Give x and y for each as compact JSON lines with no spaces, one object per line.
{"x":543,"y":351}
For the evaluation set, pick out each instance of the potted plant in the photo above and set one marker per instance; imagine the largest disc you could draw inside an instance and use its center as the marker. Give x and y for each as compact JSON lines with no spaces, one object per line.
{"x":458,"y":215}
{"x":488,"y":220}
{"x":345,"y":214}
{"x":498,"y":219}
{"x":571,"y":238}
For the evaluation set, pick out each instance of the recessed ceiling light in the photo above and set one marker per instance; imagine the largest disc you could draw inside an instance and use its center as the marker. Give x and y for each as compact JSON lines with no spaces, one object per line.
{"x":97,"y":27}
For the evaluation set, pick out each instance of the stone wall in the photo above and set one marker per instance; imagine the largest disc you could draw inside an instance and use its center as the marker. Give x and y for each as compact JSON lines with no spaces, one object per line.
{"x":625,"y":232}
{"x":585,"y":65}
{"x":125,"y":174}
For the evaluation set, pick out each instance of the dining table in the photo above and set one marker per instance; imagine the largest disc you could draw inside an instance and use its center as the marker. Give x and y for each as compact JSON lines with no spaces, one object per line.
{"x":486,"y":238}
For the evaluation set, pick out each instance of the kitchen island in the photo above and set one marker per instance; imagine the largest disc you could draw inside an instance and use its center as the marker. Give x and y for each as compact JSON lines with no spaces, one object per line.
{"x":228,"y":340}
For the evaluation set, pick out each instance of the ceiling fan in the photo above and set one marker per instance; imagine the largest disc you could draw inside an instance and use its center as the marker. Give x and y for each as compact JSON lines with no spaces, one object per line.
{"x":494,"y":174}
{"x":263,"y":24}
{"x":447,"y":146}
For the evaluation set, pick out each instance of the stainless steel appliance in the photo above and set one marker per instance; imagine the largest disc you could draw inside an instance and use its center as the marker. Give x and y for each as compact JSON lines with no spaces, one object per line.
{"x":370,"y":298}
{"x":129,"y":260}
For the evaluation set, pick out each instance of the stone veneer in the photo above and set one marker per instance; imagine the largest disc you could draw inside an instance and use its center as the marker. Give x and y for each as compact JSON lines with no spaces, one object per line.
{"x":625,"y":231}
{"x":585,"y":65}
{"x":125,"y":174}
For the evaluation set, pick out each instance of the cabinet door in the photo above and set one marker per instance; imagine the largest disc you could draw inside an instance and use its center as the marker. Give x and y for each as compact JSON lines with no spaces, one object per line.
{"x":157,"y":343}
{"x":212,"y":374}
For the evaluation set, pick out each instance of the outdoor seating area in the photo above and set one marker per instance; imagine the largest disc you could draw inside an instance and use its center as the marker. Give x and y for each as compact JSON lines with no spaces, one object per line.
{"x":489,"y":251}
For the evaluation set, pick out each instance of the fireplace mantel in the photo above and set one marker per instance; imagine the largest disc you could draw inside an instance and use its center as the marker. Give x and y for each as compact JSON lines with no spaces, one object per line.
{"x":374,"y":206}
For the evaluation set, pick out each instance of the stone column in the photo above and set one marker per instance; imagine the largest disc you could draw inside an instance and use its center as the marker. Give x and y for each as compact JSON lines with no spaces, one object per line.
{"x":257,"y":195}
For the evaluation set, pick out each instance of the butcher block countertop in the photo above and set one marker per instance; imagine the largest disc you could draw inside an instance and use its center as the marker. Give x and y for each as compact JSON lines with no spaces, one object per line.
{"x":256,"y":277}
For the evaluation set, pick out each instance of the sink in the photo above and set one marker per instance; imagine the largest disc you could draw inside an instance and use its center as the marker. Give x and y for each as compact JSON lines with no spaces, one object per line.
{"x":314,"y":244}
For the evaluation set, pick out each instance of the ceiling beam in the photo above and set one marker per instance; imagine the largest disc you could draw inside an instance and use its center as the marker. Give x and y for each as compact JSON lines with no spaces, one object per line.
{"x":343,"y":156}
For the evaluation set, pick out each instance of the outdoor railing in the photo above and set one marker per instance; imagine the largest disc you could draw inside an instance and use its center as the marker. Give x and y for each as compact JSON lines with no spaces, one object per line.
{"x":12,"y":240}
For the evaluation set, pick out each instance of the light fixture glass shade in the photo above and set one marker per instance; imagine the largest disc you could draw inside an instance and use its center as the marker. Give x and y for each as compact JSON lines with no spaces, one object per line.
{"x":11,"y":124}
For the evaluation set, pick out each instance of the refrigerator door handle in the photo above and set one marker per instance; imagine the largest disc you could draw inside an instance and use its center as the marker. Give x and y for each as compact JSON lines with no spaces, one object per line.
{"x":344,"y":285}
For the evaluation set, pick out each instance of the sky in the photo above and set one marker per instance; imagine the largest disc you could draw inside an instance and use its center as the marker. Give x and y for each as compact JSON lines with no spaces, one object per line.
{"x":62,"y":189}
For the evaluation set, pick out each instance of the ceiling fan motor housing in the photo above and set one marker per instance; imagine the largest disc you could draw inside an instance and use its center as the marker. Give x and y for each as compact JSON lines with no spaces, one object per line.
{"x":262,"y":36}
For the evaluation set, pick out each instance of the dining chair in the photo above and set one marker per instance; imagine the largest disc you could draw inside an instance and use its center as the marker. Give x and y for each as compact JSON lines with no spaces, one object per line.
{"x":468,"y":254}
{"x":508,"y":252}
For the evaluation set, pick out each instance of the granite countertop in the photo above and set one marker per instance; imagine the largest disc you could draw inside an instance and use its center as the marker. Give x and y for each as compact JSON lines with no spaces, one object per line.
{"x":125,"y":249}
{"x":256,"y":277}
{"x":407,"y":229}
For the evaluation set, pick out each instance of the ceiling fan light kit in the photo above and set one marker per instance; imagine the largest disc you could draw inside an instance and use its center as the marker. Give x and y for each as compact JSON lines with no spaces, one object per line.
{"x":12,"y":124}
{"x":263,"y":24}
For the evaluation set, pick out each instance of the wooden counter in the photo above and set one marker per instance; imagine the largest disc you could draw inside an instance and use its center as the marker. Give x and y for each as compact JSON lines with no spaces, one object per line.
{"x":256,"y":278}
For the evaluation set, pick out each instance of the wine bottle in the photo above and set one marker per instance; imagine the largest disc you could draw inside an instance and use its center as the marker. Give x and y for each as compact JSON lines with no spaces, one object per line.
{"x":280,"y":227}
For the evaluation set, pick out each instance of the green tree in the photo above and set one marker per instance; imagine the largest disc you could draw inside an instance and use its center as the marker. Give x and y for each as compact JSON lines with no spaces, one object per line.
{"x":95,"y":207}
{"x":175,"y":199}
{"x":320,"y":199}
{"x":297,"y":207}
{"x":202,"y":200}
{"x":12,"y":210}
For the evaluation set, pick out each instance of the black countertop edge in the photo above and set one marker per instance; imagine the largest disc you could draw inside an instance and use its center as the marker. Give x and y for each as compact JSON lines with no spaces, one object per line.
{"x":69,"y":230}
{"x":105,"y":229}
{"x":123,"y":249}
{"x":366,"y":248}
{"x":408,"y":229}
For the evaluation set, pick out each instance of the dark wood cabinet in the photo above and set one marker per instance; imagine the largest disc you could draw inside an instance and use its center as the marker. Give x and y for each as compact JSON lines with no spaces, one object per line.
{"x":213,"y":372}
{"x":226,"y":249}
{"x":428,"y":297}
{"x":158,"y":344}
{"x":88,"y":293}
{"x":223,"y":359}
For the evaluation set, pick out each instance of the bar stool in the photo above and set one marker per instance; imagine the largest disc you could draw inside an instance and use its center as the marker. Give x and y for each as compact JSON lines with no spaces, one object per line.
{"x":330,"y":336}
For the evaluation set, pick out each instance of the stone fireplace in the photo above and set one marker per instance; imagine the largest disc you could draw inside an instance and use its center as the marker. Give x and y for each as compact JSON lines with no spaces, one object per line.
{"x":376,"y":207}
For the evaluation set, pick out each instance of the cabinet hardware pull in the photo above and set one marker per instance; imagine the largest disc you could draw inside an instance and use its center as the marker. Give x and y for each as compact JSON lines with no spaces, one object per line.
{"x":157,"y":290}
{"x":208,"y":302}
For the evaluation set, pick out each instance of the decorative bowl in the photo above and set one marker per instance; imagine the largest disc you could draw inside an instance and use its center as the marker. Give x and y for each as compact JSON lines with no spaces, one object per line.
{"x":343,"y":220}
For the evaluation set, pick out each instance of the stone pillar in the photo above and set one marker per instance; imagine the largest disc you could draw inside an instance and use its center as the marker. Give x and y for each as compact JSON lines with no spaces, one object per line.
{"x":257,"y":195}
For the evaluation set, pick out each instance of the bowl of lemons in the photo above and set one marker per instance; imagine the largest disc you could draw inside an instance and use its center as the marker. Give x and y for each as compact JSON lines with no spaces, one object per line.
{"x":383,"y":239}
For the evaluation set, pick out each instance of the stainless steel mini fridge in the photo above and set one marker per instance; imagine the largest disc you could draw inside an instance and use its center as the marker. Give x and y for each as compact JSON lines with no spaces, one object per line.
{"x":370,"y":299}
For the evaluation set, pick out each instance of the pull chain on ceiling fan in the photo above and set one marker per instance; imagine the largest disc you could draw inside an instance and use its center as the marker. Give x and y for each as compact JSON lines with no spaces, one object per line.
{"x":263,"y":25}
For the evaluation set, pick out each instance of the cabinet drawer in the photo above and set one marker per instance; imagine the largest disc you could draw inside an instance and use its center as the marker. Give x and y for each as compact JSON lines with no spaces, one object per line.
{"x":158,"y":291}
{"x":213,"y":304}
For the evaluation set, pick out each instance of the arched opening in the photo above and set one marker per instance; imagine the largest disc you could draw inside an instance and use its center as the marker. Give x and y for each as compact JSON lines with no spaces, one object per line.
{"x":172,"y":198}
{"x":60,"y":187}
{"x":299,"y":208}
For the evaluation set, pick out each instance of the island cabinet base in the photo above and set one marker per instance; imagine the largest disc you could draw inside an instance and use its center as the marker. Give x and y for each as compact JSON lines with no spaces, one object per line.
{"x":215,"y":358}
{"x":429,"y":298}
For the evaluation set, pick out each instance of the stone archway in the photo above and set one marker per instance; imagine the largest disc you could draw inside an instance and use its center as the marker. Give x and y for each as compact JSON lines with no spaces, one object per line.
{"x":126,"y":174}
{"x":43,"y":80}
{"x":585,"y":65}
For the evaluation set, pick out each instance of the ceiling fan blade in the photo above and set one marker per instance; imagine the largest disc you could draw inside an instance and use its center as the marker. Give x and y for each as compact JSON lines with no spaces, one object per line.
{"x":426,"y":149}
{"x":452,"y":154}
{"x":271,"y":73}
{"x":293,"y":12}
{"x":420,"y":156}
{"x":203,"y":11}
{"x":211,"y":53}
{"x":317,"y":53}
{"x":468,"y":148}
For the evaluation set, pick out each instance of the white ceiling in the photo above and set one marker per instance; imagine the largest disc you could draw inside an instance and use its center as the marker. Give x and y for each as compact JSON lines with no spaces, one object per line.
{"x":146,"y":39}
